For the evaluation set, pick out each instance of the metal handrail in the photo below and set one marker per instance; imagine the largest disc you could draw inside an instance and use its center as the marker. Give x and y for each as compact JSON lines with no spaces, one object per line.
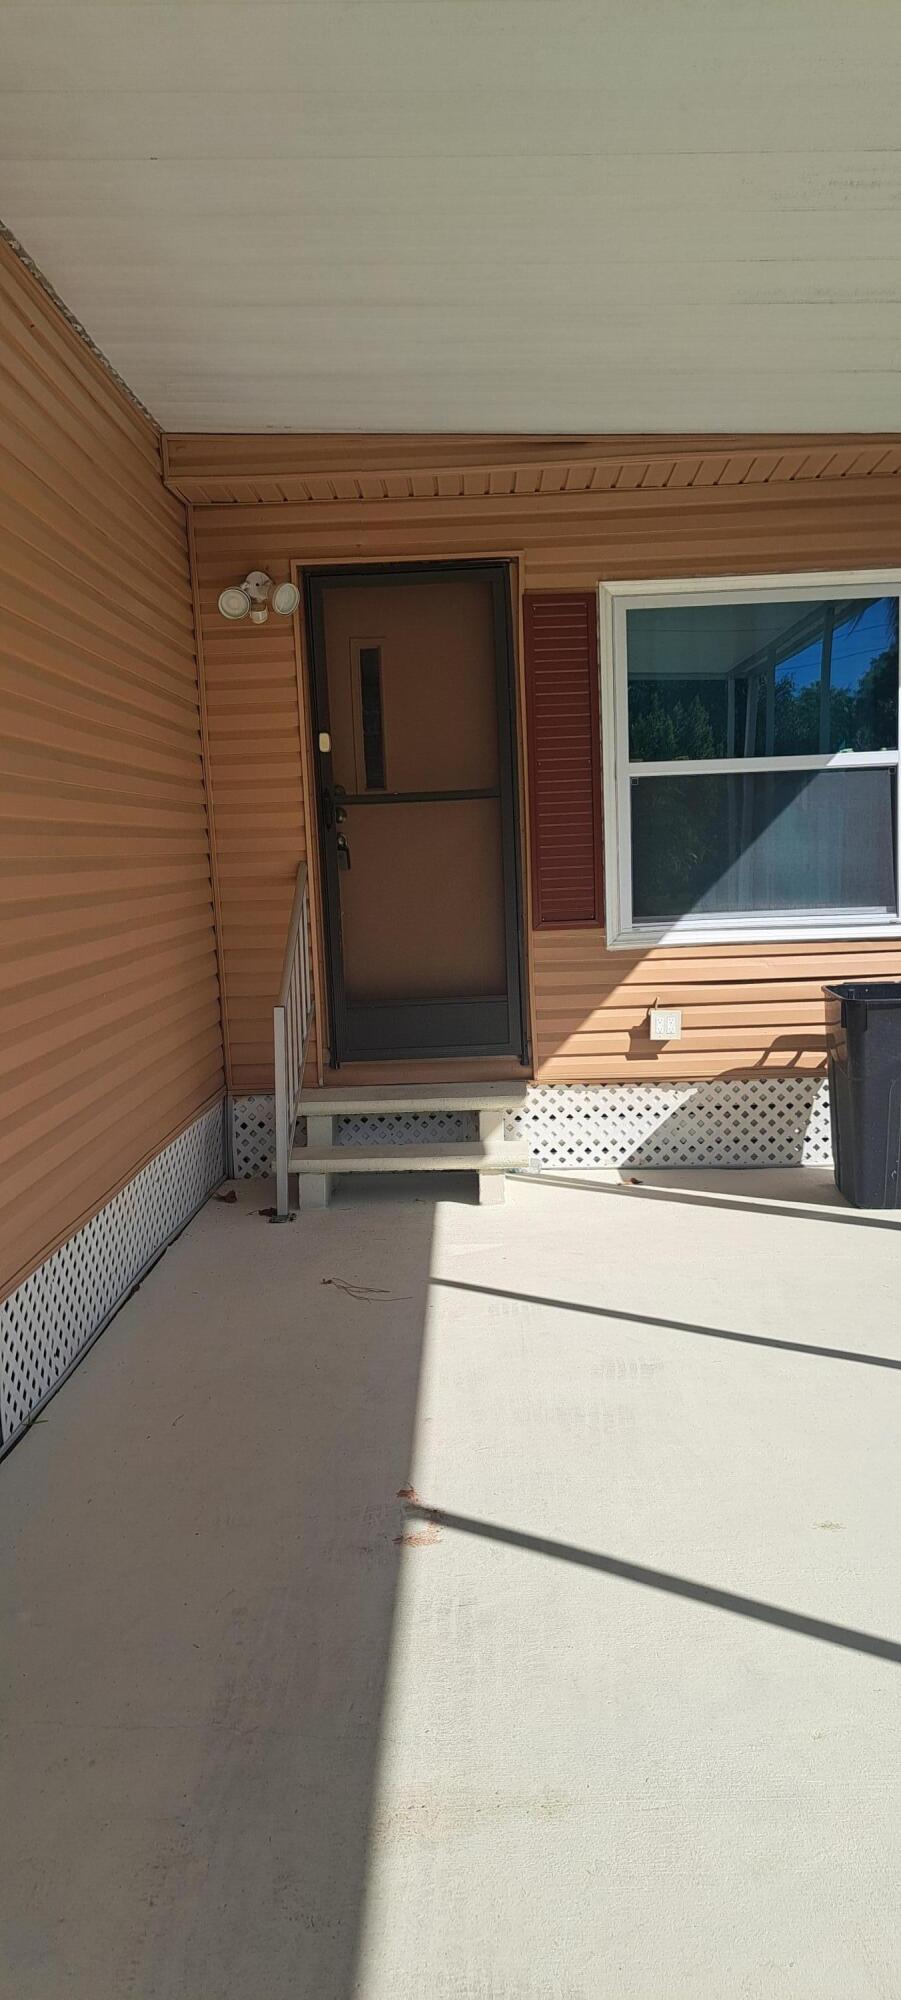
{"x":291,"y":1021}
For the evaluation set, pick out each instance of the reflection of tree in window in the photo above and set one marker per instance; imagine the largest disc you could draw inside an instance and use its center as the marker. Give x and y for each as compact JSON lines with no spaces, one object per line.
{"x":864,"y":720}
{"x":829,"y":683}
{"x":683,"y":718}
{"x":675,"y":722}
{"x":679,"y":852}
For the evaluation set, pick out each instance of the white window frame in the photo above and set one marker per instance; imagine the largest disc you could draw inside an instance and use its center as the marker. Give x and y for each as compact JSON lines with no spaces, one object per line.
{"x":615,"y":600}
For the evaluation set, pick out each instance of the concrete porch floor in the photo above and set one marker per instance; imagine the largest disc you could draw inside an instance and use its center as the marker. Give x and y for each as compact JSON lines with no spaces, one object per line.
{"x":608,"y":1704}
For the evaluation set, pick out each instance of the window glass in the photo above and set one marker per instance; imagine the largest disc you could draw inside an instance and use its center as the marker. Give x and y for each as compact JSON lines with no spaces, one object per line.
{"x":371,"y":714}
{"x":762,"y":679}
{"x":709,"y":844}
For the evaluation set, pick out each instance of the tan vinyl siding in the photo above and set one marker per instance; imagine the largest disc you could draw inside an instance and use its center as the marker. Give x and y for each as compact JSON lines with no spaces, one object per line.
{"x":109,"y":1004}
{"x":747,"y":1009}
{"x":573,"y":512}
{"x":257,"y":797}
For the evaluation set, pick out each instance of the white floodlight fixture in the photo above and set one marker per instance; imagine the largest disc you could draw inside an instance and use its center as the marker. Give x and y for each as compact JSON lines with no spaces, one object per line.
{"x":255,"y":595}
{"x":285,"y":599}
{"x":234,"y":602}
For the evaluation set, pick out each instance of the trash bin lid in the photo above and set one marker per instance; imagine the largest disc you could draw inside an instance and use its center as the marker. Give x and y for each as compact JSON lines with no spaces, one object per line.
{"x":869,"y":992}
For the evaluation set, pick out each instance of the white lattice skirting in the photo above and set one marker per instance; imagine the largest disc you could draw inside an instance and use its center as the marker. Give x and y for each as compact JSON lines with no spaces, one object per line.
{"x":49,"y":1321}
{"x":253,"y":1132}
{"x":253,"y":1136}
{"x":762,"y":1122}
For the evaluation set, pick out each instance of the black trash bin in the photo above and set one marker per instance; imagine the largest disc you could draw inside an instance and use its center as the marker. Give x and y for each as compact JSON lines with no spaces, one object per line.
{"x":863,"y":1022}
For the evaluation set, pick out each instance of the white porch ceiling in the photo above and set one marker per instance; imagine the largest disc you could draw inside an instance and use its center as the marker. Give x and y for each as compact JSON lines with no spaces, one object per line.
{"x":534,"y":215}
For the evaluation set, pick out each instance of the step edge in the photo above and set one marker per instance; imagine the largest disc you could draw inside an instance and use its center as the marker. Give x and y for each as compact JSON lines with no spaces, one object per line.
{"x":325,"y":1103}
{"x":405,"y":1159}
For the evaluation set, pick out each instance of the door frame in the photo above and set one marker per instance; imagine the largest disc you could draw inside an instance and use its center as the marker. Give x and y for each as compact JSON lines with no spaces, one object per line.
{"x":314,"y":579}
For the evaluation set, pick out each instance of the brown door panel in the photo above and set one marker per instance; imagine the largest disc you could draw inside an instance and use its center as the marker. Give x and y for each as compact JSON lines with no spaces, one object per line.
{"x":413,"y":697}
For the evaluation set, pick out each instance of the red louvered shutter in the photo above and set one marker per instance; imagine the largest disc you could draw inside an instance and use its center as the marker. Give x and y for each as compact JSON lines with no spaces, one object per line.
{"x":562,"y":713}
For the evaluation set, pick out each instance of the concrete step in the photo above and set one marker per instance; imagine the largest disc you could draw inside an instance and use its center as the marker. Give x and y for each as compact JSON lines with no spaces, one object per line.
{"x":413,"y":1159}
{"x":385,"y":1099}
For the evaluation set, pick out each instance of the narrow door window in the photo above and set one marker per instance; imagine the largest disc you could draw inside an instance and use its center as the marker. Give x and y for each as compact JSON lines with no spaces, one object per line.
{"x":371,"y":714}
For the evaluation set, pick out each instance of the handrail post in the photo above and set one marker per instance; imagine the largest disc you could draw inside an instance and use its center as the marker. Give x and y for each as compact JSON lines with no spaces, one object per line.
{"x":282,"y":1139}
{"x":292,"y":1017}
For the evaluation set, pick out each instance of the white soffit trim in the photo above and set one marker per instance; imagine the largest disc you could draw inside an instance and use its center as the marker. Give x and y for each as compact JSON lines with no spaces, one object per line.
{"x":566,"y":218}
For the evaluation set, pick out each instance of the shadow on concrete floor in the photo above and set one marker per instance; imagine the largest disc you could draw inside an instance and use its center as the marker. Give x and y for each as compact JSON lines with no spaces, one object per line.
{"x":808,"y":1194}
{"x":200,"y":1557}
{"x":279,"y":1728}
{"x":626,"y":1318}
{"x":871,"y":1643}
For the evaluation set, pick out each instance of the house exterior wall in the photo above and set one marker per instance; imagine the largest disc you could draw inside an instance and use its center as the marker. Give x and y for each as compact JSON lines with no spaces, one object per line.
{"x":572,"y":514}
{"x":110,"y":1042}
{"x":257,"y":796}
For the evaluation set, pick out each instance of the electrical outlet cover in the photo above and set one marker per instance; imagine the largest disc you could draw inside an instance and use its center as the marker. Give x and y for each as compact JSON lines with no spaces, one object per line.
{"x":666,"y":1024}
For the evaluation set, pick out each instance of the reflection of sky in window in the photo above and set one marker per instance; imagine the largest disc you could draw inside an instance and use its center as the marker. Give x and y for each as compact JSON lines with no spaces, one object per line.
{"x":856,"y":643}
{"x":803,"y":667}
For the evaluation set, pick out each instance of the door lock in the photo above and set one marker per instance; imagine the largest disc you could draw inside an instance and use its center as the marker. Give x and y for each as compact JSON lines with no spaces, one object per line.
{"x":343,"y":853}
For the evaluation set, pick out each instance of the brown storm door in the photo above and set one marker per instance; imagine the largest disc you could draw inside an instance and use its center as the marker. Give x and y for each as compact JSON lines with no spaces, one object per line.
{"x":414,"y":747}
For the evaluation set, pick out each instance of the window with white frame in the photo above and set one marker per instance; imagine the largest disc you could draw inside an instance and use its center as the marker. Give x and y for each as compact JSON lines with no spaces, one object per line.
{"x":751,"y":762}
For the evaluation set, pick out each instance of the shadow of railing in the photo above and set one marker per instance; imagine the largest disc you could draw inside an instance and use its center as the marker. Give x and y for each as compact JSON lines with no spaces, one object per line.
{"x":705,"y":1594}
{"x":670,"y":1325}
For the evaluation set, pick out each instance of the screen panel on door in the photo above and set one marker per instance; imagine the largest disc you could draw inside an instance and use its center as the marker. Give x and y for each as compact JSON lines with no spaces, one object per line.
{"x":414,"y":673}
